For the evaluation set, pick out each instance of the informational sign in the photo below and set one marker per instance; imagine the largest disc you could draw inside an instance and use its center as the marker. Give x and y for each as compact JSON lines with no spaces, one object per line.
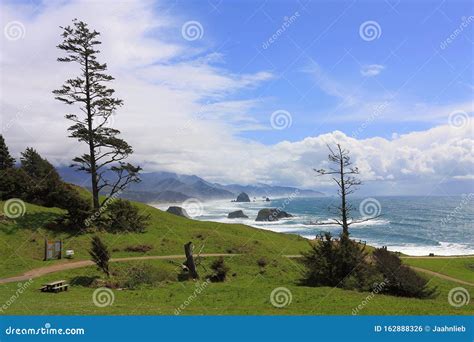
{"x":52,"y":249}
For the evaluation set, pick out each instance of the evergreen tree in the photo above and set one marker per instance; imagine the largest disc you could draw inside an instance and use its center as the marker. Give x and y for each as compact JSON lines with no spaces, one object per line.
{"x":45,"y":186}
{"x":37,"y":167}
{"x":100,"y":255}
{"x":6,"y":160}
{"x":400,"y":279}
{"x":106,"y":150}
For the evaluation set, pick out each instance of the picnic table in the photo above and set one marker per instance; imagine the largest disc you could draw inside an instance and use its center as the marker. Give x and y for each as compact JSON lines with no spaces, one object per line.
{"x":55,"y":286}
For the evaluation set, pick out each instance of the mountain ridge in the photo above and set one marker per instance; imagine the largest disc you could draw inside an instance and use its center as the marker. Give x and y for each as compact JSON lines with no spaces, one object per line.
{"x":163,"y":186}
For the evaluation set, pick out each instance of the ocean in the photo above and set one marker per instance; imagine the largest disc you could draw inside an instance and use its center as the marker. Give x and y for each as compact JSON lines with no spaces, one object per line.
{"x":411,"y":225}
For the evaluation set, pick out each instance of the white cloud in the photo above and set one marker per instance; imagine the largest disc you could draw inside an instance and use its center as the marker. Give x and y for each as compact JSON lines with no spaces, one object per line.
{"x":371,"y":70}
{"x":179,"y":114}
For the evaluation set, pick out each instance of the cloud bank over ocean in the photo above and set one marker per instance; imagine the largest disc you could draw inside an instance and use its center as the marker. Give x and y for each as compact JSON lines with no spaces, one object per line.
{"x":185,"y":110}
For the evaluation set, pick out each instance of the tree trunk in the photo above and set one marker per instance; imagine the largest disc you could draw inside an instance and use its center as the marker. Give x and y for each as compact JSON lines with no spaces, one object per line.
{"x":345,"y":227}
{"x":93,"y":169}
{"x":189,"y":263}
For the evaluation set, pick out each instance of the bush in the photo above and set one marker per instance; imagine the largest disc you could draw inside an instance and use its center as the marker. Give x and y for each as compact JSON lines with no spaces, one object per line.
{"x":139,"y":248}
{"x":100,"y":255}
{"x":123,"y":216}
{"x":262,"y":262}
{"x":336,"y":263}
{"x":401,"y":280}
{"x":78,"y":208}
{"x":144,"y":274}
{"x":219,"y":270}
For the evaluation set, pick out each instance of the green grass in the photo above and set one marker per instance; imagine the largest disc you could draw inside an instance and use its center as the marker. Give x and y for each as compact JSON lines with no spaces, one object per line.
{"x":460,"y":268}
{"x":23,"y":239}
{"x":247,"y":290}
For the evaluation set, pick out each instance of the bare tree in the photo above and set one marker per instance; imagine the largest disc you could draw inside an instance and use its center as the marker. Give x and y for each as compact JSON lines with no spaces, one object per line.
{"x":344,"y":174}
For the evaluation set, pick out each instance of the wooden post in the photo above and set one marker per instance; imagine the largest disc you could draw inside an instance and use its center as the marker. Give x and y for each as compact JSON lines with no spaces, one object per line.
{"x":189,"y":263}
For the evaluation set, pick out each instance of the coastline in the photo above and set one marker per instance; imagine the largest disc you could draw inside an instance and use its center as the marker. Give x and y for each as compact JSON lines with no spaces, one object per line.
{"x":217,"y":210}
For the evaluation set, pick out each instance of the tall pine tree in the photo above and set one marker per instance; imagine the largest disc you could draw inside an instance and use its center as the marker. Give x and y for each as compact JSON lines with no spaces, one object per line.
{"x":6,"y":160}
{"x":104,"y":160}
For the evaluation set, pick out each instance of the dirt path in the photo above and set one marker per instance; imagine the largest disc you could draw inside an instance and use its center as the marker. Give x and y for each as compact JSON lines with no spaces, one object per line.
{"x":38,"y":272}
{"x":440,"y":275}
{"x":438,"y":257}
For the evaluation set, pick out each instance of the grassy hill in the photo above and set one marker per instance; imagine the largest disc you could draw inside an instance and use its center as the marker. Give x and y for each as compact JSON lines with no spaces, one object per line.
{"x":247,"y":290}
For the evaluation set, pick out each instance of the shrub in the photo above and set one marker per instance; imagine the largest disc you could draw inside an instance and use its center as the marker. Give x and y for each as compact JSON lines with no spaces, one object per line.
{"x":139,"y":248}
{"x":78,"y":208}
{"x":262,"y":262}
{"x":219,"y":270}
{"x":123,"y":216}
{"x":100,"y":255}
{"x":400,"y":279}
{"x":336,"y":263}
{"x":144,"y":274}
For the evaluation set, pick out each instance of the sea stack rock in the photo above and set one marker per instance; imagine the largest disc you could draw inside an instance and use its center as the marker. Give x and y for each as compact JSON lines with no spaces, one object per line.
{"x":271,"y":215}
{"x":267,"y":199}
{"x":237,"y":214}
{"x":178,"y":211}
{"x":243,"y":197}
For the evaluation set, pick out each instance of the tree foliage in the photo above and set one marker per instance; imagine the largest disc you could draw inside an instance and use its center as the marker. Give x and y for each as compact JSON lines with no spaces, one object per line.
{"x":338,"y":263}
{"x":105,"y":159}
{"x":100,"y":255}
{"x":6,"y":160}
{"x":219,"y":270}
{"x":401,"y":279}
{"x":123,"y":216}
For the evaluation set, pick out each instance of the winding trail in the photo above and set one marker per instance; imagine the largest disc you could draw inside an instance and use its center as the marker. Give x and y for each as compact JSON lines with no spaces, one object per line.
{"x":440,"y":275}
{"x":63,"y":266}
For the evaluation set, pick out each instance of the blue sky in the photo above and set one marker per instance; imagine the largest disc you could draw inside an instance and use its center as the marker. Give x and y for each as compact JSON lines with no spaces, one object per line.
{"x":247,"y":101}
{"x":416,"y":70}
